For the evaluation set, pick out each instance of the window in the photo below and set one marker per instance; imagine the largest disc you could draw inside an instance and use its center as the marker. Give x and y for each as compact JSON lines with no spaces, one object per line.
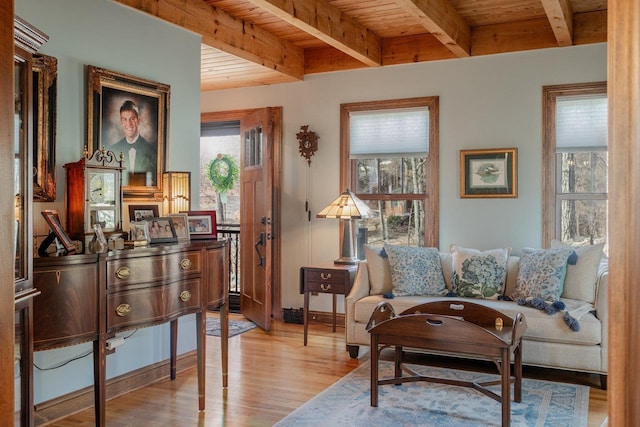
{"x":390,"y":160}
{"x":575,"y":164}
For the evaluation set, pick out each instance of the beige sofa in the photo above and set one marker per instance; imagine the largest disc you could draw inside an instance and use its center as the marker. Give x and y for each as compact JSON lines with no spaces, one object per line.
{"x":548,"y":341}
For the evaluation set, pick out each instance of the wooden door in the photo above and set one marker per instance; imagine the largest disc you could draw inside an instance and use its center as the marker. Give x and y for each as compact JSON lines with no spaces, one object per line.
{"x":256,"y":217}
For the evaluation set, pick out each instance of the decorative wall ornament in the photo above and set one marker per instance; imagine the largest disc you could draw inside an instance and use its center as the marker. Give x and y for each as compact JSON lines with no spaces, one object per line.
{"x":308,"y":141}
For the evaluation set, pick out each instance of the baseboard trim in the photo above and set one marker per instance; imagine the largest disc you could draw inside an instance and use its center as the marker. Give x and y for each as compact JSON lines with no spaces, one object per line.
{"x":326,"y":318}
{"x":80,"y":400}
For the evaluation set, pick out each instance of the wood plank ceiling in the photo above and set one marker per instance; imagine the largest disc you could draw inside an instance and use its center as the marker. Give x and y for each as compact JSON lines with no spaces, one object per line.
{"x":262,"y":42}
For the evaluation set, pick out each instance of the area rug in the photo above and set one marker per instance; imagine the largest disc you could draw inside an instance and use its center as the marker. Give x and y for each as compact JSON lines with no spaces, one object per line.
{"x":347,"y":402}
{"x":236,"y":327}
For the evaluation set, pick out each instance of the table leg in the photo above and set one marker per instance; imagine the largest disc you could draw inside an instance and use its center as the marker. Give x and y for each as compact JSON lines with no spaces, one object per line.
{"x":517,"y":367}
{"x":99,"y":380}
{"x":334,"y":312}
{"x":173,"y":348}
{"x":224,"y":342}
{"x":506,"y":387}
{"x":374,"y":370}
{"x":201,"y":331}
{"x":305,"y":315}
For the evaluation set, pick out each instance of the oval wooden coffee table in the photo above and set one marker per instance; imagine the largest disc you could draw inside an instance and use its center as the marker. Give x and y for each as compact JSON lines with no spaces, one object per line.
{"x":454,"y":327}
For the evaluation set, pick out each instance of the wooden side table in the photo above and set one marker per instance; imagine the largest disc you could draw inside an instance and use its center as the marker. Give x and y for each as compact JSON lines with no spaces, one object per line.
{"x":326,"y":278}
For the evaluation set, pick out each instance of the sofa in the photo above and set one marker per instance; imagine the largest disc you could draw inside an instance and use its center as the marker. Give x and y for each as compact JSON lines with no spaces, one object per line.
{"x":573,"y":338}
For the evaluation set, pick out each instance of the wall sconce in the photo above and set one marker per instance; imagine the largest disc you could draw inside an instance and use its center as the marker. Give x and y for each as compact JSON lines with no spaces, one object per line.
{"x":176,"y":192}
{"x":346,"y":207}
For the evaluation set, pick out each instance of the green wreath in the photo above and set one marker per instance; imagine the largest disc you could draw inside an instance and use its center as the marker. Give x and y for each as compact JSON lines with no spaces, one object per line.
{"x":222,"y":173}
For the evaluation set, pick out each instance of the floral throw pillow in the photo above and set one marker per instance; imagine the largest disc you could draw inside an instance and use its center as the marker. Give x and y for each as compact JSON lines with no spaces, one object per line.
{"x":479,"y":274}
{"x":542,"y":272}
{"x":415,"y":271}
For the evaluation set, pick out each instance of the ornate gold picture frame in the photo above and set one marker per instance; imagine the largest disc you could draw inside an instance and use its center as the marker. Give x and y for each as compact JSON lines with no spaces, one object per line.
{"x":489,"y":173}
{"x":126,"y":112}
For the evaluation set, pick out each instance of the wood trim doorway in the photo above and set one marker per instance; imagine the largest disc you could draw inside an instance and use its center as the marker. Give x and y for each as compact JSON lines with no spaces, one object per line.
{"x":222,"y":116}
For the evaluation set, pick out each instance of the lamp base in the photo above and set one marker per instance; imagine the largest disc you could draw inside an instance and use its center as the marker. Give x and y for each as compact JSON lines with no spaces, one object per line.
{"x":346,"y":260}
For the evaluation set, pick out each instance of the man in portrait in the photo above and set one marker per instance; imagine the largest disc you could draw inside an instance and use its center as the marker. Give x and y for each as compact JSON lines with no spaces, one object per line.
{"x":140,"y":155}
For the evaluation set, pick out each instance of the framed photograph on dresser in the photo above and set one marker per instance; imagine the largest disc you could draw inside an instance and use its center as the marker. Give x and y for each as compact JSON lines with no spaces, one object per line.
{"x":202,"y":224}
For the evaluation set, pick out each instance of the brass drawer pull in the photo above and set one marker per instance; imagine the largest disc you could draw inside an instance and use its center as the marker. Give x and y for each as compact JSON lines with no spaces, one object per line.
{"x":123,"y":309}
{"x":325,"y":276}
{"x":123,"y":272}
{"x":325,"y":287}
{"x":185,"y":264}
{"x":185,"y":296}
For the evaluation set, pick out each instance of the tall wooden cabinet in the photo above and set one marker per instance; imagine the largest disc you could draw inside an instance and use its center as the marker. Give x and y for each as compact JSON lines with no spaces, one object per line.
{"x":27,"y":40}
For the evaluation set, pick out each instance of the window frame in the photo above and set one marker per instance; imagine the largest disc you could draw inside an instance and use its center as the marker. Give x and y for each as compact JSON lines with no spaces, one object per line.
{"x":551,"y":198}
{"x":432,"y":186}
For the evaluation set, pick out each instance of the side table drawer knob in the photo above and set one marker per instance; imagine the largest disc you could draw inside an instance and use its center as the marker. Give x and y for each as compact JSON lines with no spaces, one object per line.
{"x":123,"y":309}
{"x":185,"y":296}
{"x":325,"y":287}
{"x":185,"y":264}
{"x":325,"y":276}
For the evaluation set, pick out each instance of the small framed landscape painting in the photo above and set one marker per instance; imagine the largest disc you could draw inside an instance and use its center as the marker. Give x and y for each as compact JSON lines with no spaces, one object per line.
{"x":489,"y":173}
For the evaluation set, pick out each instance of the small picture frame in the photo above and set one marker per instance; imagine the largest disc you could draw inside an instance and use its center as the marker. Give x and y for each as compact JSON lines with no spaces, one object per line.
{"x":139,"y":232}
{"x":53,"y":220}
{"x":489,"y":173}
{"x":142,"y":212}
{"x":181,"y":226}
{"x":202,"y":224}
{"x":161,"y":230}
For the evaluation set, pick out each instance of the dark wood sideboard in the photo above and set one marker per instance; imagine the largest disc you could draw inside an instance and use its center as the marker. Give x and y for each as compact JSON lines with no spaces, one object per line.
{"x":92,"y":297}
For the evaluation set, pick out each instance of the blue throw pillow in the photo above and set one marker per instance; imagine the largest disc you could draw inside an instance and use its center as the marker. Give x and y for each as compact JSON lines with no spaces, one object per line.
{"x":415,"y":271}
{"x":541,"y":273}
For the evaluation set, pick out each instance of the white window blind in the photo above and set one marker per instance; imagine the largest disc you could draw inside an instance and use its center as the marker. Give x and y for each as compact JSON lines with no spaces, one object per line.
{"x":389,"y":133}
{"x":581,"y":122}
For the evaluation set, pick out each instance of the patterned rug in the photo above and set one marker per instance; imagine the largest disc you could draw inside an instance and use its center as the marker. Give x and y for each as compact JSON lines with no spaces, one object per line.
{"x":236,"y":327}
{"x":347,"y":403}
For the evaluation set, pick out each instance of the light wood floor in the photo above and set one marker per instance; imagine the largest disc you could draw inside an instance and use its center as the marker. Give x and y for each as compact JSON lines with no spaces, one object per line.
{"x":270,"y":375}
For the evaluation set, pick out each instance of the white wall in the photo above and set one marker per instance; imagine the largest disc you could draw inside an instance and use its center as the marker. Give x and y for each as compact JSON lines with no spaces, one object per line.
{"x":485,"y":102}
{"x":115,"y":37}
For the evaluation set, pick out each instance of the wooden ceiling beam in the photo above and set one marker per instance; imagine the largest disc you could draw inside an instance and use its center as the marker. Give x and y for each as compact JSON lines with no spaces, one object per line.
{"x":329,"y":24}
{"x":225,"y":32}
{"x":442,"y":20}
{"x":560,"y":17}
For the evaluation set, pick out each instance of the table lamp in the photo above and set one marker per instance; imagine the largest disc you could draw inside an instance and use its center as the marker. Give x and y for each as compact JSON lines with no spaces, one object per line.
{"x":346,"y":207}
{"x":176,"y":188}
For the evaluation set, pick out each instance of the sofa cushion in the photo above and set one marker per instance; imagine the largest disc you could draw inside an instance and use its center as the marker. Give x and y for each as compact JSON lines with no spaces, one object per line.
{"x":580,"y":281}
{"x":379,"y":271}
{"x":479,"y":274}
{"x":541,"y":273}
{"x":540,"y":326}
{"x":415,"y":271}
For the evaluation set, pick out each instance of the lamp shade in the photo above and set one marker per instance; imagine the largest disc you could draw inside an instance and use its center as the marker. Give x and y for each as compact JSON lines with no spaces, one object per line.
{"x":176,"y":192}
{"x":346,"y":206}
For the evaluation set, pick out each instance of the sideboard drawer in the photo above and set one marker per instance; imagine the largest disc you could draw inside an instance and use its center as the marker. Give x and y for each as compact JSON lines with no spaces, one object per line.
{"x":128,"y":272}
{"x":140,"y":307}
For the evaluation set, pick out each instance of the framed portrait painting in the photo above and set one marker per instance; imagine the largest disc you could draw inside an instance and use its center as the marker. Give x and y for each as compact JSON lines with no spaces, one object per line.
{"x":129,"y":116}
{"x":489,"y":173}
